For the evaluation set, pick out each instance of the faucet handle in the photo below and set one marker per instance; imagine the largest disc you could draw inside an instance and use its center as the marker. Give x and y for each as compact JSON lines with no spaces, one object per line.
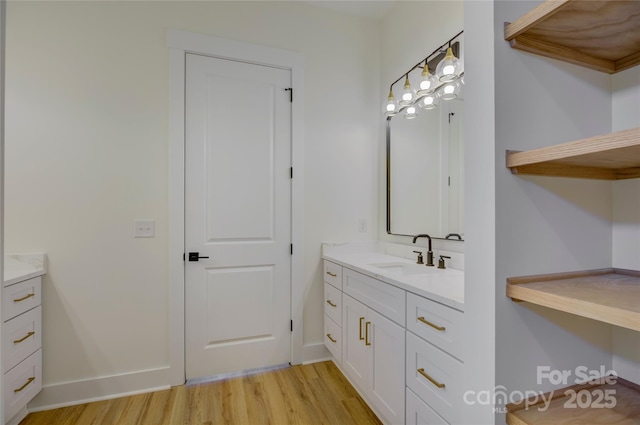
{"x":420,"y":258}
{"x":441,"y":261}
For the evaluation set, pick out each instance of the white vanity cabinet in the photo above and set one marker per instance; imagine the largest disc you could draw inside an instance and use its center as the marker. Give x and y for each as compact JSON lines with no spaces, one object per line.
{"x":21,"y":344}
{"x":367,"y":346}
{"x":401,"y":351}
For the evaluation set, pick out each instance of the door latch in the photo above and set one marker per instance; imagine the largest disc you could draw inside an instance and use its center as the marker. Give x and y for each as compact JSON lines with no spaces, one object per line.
{"x":195,"y":256}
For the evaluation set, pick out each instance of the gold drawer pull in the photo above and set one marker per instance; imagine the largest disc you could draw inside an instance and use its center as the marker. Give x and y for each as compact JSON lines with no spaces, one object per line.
{"x":433,"y":381}
{"x":360,"y":330}
{"x":30,"y":380}
{"x":366,"y":334}
{"x":426,"y":322}
{"x":331,"y":304}
{"x":24,"y":298}
{"x":331,"y":339}
{"x":18,"y":341}
{"x":332,"y":274}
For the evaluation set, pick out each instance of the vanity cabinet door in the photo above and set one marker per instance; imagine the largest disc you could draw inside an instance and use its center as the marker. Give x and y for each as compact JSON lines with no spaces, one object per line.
{"x":387,"y":373}
{"x":356,"y":357}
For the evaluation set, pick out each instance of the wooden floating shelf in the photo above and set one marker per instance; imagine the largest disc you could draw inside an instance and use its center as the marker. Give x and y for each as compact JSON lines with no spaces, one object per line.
{"x":608,"y":295}
{"x":597,"y":409}
{"x":601,"y":35}
{"x":611,"y":156}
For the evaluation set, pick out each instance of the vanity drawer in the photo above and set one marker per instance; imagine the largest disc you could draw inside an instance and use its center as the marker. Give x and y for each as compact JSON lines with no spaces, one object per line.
{"x":333,"y":274}
{"x":21,"y":297}
{"x":440,"y":325}
{"x":333,"y":338}
{"x":21,"y":384}
{"x":333,"y":303}
{"x":435,"y":377}
{"x":419,"y":413}
{"x":386,"y":299}
{"x":21,"y":336}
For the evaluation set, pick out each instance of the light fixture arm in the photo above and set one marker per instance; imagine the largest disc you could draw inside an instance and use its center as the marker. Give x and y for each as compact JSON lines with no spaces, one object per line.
{"x":426,"y":60}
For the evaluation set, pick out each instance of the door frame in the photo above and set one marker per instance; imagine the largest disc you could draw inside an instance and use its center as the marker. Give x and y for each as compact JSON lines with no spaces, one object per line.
{"x":180,"y":43}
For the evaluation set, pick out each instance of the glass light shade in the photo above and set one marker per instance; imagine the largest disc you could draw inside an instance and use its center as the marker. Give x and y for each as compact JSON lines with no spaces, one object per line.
{"x":428,"y":102}
{"x":390,"y":106}
{"x":410,"y":113}
{"x":448,"y":68}
{"x":408,"y":96}
{"x":427,"y":82}
{"x":449,"y":91}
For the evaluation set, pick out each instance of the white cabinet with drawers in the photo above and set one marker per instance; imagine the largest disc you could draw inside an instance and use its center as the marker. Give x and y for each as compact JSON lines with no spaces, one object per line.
{"x":333,"y":310}
{"x":434,"y":372}
{"x":21,"y":335}
{"x":400,"y":350}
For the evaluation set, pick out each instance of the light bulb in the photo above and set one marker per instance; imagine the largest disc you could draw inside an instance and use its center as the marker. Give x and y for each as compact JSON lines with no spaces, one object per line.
{"x":390,"y":107}
{"x":427,"y":82}
{"x":449,"y":68}
{"x":410,"y":113}
{"x":449,"y":91}
{"x":407,"y":94}
{"x":428,"y":102}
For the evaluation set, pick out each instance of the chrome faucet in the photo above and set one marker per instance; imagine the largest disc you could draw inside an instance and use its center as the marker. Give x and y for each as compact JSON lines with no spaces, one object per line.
{"x":429,"y":262}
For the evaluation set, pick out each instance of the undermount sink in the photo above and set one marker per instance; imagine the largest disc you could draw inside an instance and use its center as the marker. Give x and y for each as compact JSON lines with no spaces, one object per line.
{"x":405,"y":268}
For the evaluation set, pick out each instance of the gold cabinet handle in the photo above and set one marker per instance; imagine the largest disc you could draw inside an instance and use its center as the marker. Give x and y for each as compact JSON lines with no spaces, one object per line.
{"x":434,"y":326}
{"x":18,"y":341}
{"x":366,"y":333}
{"x":360,"y":337}
{"x":331,"y":339}
{"x":433,"y":381}
{"x":24,"y":298}
{"x":332,"y":274}
{"x":331,"y":304}
{"x":30,"y":380}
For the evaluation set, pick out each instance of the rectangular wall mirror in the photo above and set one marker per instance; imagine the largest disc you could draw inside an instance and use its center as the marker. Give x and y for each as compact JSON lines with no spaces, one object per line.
{"x":425,"y":171}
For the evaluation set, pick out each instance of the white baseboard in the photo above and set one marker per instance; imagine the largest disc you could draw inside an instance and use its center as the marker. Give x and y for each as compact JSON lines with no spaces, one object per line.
{"x":104,"y":388}
{"x":314,"y":353}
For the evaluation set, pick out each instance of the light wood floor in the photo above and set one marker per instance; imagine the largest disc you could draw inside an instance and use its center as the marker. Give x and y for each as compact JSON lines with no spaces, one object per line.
{"x":310,"y":394}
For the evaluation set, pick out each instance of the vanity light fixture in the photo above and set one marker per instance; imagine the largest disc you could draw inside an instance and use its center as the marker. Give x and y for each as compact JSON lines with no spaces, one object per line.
{"x":391,"y":107}
{"x":449,"y":68}
{"x":427,"y":82}
{"x":407,"y":94}
{"x":445,"y":84}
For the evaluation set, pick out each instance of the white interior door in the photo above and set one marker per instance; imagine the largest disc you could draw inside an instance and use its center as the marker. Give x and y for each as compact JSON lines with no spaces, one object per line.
{"x":238,"y":214}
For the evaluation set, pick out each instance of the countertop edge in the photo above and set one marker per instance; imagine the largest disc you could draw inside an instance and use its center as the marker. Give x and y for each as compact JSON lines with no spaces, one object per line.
{"x":399,"y":284}
{"x":38,"y":262}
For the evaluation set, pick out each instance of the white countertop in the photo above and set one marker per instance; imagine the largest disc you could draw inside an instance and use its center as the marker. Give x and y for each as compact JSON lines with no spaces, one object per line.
{"x":444,"y":286}
{"x":19,"y":267}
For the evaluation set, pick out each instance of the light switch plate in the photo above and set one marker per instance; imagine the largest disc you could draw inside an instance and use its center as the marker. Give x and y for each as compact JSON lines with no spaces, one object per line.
{"x":144,"y":228}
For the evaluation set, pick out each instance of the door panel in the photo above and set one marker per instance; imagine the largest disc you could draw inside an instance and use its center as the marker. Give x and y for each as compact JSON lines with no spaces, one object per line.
{"x":387,"y":377}
{"x":356,"y":356}
{"x":238,"y":214}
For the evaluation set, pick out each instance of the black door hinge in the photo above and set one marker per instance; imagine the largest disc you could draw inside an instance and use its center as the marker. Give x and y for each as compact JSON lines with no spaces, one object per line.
{"x":291,"y":172}
{"x":291,"y":249}
{"x":292,"y":326}
{"x":290,"y":90}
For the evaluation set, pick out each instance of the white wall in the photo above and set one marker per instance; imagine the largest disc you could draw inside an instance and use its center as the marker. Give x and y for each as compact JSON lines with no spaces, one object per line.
{"x":626,"y":218}
{"x":410,"y":32}
{"x":546,"y":224}
{"x":480,"y":207}
{"x":87,"y":145}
